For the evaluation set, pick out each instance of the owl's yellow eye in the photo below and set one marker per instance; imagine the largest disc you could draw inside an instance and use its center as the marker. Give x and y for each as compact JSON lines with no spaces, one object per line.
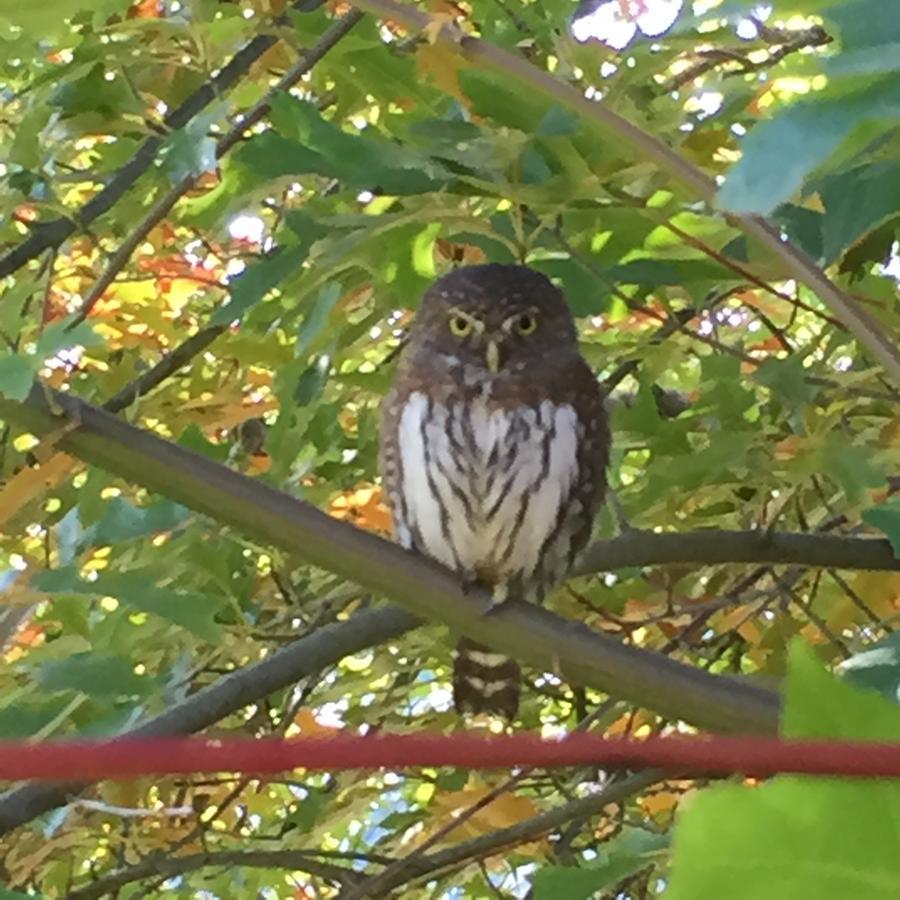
{"x":460,"y":326}
{"x":526,"y":324}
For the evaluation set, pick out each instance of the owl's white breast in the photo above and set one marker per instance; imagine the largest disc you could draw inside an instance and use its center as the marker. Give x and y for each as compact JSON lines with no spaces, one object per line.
{"x":486,"y":489}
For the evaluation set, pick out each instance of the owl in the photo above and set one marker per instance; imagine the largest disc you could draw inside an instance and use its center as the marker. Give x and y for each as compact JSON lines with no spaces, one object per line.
{"x":494,"y":446}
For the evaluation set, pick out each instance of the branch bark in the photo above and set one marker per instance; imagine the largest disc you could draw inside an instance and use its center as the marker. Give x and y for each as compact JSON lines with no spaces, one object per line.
{"x":165,"y":866}
{"x":714,"y":546}
{"x":798,"y":264}
{"x":522,"y":832}
{"x":534,"y":635}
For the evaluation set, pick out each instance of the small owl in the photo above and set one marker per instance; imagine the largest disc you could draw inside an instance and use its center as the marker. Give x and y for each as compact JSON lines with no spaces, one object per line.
{"x":494,"y":446}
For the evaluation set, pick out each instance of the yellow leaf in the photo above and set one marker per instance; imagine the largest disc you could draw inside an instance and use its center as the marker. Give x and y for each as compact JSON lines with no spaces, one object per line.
{"x":30,"y":483}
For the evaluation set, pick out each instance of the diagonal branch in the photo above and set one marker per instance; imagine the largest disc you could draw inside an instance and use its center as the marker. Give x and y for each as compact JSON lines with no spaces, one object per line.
{"x":801,"y":266}
{"x":424,"y":588}
{"x":167,"y":866}
{"x":714,"y":546}
{"x":493,"y":842}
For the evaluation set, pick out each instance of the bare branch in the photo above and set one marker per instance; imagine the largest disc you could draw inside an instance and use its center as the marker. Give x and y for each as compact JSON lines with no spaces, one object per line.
{"x":714,"y":547}
{"x":354,"y":884}
{"x":520,"y":833}
{"x":167,"y":866}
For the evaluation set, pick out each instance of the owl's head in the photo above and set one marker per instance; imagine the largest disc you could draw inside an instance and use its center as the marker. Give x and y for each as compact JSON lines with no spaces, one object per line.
{"x":499,"y":318}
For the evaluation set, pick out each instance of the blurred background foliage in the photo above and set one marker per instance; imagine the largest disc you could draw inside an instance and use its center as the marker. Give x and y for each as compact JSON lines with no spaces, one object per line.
{"x":281,"y":263}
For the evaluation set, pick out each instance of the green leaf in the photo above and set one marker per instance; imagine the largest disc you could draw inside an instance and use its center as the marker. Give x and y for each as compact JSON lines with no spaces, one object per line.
{"x":96,"y":95}
{"x":95,"y":674}
{"x":316,"y":319}
{"x":137,"y":589}
{"x":122,"y":521}
{"x":780,"y":153}
{"x":191,"y":150}
{"x":856,"y":202}
{"x":818,"y":705}
{"x":6,"y":894}
{"x":629,"y":852}
{"x":25,"y":719}
{"x":876,"y":668}
{"x":580,"y":883}
{"x":887,"y":519}
{"x":790,"y":837}
{"x":787,"y":378}
{"x":256,"y":281}
{"x":557,"y":122}
{"x":870,"y":38}
{"x":16,"y":376}
{"x":423,"y":250}
{"x":852,"y":467}
{"x":60,"y":336}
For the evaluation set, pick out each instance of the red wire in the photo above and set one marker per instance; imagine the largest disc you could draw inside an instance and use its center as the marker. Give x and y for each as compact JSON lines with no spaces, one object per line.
{"x":127,"y":758}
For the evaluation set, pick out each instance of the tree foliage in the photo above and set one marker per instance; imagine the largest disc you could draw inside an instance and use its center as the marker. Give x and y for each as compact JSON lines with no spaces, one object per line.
{"x":217,"y":219}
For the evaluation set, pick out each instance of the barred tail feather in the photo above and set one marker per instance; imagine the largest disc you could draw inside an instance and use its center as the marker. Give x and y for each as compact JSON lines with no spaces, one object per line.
{"x":485,"y":681}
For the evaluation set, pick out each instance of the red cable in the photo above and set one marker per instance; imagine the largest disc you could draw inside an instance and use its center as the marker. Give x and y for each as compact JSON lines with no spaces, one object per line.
{"x":127,"y":758}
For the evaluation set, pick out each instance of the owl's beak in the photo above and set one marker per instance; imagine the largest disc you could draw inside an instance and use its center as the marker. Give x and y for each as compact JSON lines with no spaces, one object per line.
{"x":492,"y":357}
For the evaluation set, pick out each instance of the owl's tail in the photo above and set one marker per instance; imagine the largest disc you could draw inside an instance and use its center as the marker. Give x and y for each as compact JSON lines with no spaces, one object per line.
{"x":485,"y":681}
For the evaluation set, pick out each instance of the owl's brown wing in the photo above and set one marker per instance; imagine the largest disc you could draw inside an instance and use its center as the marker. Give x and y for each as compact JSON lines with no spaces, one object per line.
{"x":576,"y":386}
{"x":593,"y":450}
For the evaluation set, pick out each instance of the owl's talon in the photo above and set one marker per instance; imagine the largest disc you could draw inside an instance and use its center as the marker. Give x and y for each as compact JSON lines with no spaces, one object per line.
{"x":499,"y":598}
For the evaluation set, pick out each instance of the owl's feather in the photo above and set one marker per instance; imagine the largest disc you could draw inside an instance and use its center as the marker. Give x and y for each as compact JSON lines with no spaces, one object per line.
{"x":495,"y":474}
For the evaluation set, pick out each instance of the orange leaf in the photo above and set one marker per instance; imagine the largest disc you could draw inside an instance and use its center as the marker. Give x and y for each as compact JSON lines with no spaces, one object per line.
{"x":30,"y":483}
{"x":443,"y":66}
{"x":363,"y":506}
{"x":309,"y":726}
{"x":661,"y":803}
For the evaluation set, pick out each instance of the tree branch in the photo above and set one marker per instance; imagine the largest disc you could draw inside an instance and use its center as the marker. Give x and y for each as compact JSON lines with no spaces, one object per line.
{"x":714,"y":547}
{"x":520,"y":833}
{"x":166,"y":866}
{"x":424,"y":588}
{"x":864,"y":327}
{"x":355,"y":886}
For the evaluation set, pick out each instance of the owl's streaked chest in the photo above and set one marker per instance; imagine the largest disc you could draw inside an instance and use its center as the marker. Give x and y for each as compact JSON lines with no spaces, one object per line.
{"x":487,"y":490}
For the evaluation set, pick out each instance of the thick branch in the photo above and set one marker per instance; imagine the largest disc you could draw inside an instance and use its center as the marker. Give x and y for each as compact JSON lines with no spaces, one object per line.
{"x":869,"y":332}
{"x":532,"y":635}
{"x":304,"y":657}
{"x":713,"y":547}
